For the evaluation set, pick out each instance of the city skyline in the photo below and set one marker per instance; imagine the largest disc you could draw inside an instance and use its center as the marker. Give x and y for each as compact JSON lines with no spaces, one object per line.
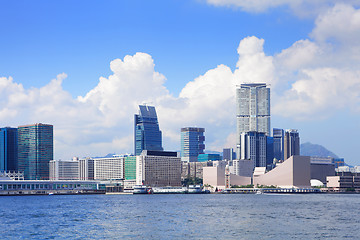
{"x":55,"y":69}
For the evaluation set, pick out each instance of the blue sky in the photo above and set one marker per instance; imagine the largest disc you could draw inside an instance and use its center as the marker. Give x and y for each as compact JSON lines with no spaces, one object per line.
{"x":192,"y":60}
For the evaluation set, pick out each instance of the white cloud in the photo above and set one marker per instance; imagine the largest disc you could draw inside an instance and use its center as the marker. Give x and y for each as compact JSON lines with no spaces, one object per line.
{"x":302,"y":8}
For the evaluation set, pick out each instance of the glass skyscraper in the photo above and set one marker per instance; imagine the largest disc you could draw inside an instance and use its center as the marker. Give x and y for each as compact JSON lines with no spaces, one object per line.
{"x":147,"y":135}
{"x":291,"y":143}
{"x":253,"y":110}
{"x":8,"y":149}
{"x":192,"y":143}
{"x":35,"y":150}
{"x":278,"y":135}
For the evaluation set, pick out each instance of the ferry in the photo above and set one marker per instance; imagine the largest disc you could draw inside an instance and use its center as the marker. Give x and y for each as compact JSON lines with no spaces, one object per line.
{"x":141,"y":189}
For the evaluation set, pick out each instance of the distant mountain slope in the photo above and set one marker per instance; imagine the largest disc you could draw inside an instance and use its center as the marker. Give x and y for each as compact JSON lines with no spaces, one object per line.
{"x":309,"y":149}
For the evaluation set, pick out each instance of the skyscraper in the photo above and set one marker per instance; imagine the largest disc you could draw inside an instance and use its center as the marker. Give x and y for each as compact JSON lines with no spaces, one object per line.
{"x":291,"y":143}
{"x":253,"y":147}
{"x":253,"y":110}
{"x":147,"y":135}
{"x":278,"y":135}
{"x":8,"y":149}
{"x":192,"y":143}
{"x":35,"y":150}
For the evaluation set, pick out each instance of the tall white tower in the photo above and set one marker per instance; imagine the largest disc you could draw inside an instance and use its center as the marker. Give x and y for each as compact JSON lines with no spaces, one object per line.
{"x":253,"y":110}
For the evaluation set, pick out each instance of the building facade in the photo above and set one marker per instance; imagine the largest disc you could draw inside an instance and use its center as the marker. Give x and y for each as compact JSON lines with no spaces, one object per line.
{"x":229,"y":154}
{"x":130,"y":168}
{"x":253,"y":147}
{"x":252,"y":111}
{"x":109,"y":168}
{"x":35,"y":150}
{"x":64,"y":169}
{"x":147,"y":134}
{"x":291,"y":143}
{"x":192,"y":143}
{"x":86,"y":169}
{"x":8,"y":149}
{"x":278,"y":136}
{"x":158,"y":169}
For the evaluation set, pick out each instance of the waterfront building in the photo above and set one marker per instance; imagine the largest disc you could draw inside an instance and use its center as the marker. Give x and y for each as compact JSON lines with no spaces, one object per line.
{"x":86,"y":169}
{"x":291,"y":143}
{"x":8,"y":149}
{"x":253,"y":110}
{"x":130,"y":168}
{"x":229,"y":154}
{"x":109,"y":168}
{"x":253,"y":147}
{"x":158,"y":169}
{"x":209,"y":157}
{"x":35,"y":150}
{"x":321,"y":167}
{"x":293,"y":172}
{"x":147,"y":135}
{"x":193,"y":170}
{"x":192,"y":143}
{"x":278,"y":136}
{"x":64,"y":169}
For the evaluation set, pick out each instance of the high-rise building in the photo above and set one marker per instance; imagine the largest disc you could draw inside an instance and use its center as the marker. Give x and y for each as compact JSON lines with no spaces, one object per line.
{"x":269,"y":152}
{"x":86,"y":169}
{"x":147,"y":135}
{"x":278,"y":135}
{"x":192,"y":143}
{"x":111,"y":168}
{"x":291,"y":143}
{"x":253,"y":147}
{"x":229,"y":154}
{"x":253,"y":110}
{"x":8,"y":149}
{"x":35,"y":150}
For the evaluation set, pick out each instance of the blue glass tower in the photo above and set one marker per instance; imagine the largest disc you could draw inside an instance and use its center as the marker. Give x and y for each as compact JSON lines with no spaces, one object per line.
{"x":278,"y":135}
{"x":192,"y":143}
{"x":147,"y":135}
{"x":35,"y":150}
{"x":8,"y":149}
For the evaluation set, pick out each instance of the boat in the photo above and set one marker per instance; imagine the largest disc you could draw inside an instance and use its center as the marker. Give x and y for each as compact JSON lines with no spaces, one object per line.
{"x":259,"y":192}
{"x":140,"y":189}
{"x":51,"y":193}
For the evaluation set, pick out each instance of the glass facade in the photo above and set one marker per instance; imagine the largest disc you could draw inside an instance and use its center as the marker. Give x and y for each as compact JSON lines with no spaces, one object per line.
{"x":130,"y":168}
{"x":278,"y":135}
{"x":35,"y":150}
{"x":192,"y":143}
{"x":8,"y":149}
{"x":147,"y":135}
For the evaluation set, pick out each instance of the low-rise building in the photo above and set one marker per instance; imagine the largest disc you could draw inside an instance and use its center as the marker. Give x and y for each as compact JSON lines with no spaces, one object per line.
{"x":64,"y":169}
{"x":109,"y":168}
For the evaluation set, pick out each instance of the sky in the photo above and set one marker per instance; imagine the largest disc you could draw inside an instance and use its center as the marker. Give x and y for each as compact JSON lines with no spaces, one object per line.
{"x":85,"y":66}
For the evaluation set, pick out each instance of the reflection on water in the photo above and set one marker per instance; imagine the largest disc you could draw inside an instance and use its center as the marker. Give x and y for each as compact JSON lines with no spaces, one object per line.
{"x":215,"y":216}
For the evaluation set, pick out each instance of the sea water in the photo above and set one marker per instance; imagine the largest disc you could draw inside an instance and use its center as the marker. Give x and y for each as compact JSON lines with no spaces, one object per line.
{"x":182,"y":216}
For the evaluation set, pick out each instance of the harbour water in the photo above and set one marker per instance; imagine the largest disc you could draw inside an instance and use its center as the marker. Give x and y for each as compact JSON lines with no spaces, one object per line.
{"x":184,"y":216}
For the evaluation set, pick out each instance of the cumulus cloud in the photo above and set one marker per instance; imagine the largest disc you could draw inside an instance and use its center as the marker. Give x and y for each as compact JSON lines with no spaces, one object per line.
{"x":302,"y":8}
{"x":312,"y":78}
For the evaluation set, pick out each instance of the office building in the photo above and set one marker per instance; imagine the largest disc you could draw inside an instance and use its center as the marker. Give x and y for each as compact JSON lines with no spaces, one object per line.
{"x":229,"y":154}
{"x":147,"y":135}
{"x":35,"y":150}
{"x":109,"y":168}
{"x":158,"y":169}
{"x":278,"y":136}
{"x":130,"y":168}
{"x":291,"y":143}
{"x":253,"y":110}
{"x":64,"y":169}
{"x":253,"y":147}
{"x":8,"y":149}
{"x":269,"y":152}
{"x":86,"y":169}
{"x":192,"y":143}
